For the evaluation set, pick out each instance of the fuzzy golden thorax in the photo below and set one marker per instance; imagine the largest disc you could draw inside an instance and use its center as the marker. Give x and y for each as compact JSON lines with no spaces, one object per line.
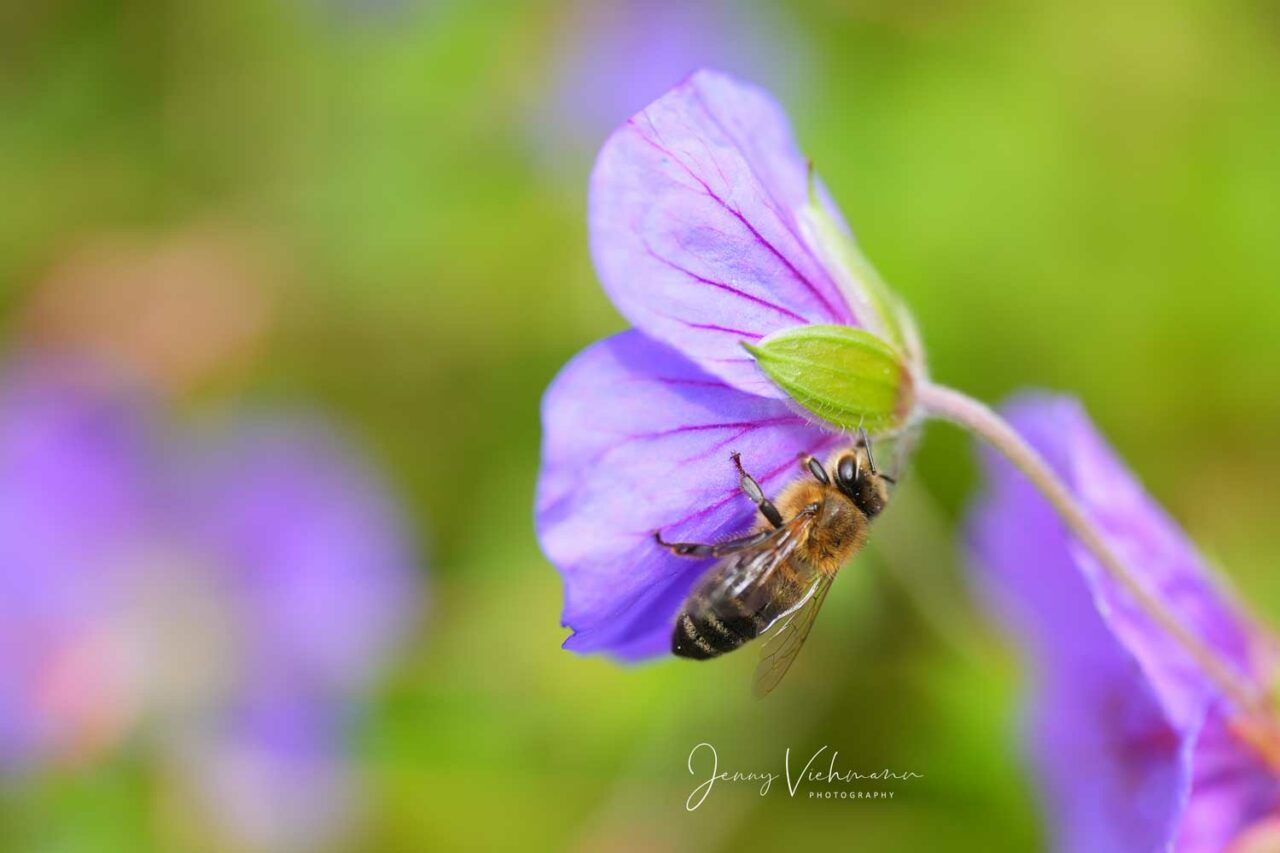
{"x":839,"y":528}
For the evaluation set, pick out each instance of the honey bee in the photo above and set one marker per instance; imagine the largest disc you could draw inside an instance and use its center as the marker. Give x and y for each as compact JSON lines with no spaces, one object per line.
{"x":780,"y":573}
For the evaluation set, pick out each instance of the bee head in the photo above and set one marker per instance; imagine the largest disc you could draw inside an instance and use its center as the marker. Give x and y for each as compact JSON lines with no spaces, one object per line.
{"x":856,"y":477}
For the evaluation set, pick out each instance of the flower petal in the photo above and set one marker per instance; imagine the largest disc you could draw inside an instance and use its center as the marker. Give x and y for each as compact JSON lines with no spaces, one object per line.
{"x":1118,"y":699}
{"x":1144,"y":536}
{"x":73,"y":460}
{"x":695,"y":232}
{"x":318,"y":551}
{"x":637,"y":439}
{"x":1116,"y":773}
{"x":1114,"y":767}
{"x":73,"y":472}
{"x":1232,"y":789}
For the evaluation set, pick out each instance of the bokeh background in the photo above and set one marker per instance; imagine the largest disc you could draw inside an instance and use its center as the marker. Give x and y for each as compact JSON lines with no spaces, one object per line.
{"x":375,"y":210}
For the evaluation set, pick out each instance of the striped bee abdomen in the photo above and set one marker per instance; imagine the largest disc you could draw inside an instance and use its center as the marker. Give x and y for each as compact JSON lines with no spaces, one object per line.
{"x":714,"y":620}
{"x":704,"y":630}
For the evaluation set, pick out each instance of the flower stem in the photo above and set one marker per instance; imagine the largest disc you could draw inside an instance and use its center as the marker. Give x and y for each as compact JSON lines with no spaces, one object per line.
{"x":978,"y":418}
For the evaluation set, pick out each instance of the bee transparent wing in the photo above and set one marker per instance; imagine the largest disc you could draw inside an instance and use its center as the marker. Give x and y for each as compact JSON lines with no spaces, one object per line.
{"x":744,"y":575}
{"x":781,"y":647}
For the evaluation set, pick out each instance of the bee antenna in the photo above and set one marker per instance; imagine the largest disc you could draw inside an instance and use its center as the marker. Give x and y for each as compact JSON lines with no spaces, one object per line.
{"x":866,"y":442}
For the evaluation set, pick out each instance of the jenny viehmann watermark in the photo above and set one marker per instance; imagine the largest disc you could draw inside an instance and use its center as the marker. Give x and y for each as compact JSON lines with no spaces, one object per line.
{"x":704,"y":763}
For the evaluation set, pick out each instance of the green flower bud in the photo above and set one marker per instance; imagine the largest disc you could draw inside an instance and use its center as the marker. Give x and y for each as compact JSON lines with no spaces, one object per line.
{"x":846,"y":376}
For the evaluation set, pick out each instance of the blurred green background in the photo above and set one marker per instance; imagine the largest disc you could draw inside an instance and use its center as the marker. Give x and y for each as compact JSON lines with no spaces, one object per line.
{"x":1081,"y":196}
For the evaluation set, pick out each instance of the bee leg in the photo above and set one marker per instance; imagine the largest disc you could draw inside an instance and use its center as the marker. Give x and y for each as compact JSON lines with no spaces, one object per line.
{"x":752,"y":490}
{"x":814,"y":467}
{"x":718,"y":549}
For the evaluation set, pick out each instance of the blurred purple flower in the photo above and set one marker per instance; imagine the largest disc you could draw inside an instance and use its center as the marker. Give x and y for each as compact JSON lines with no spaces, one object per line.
{"x":700,"y":210}
{"x":1136,"y":748}
{"x":614,"y":56}
{"x":225,"y":597}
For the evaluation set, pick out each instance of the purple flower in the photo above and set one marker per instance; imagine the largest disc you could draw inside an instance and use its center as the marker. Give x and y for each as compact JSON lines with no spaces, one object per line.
{"x":708,"y":231}
{"x":223,"y":597}
{"x":1136,"y":749}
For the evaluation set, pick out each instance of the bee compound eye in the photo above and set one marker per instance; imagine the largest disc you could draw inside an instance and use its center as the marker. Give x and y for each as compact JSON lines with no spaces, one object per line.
{"x":846,"y":470}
